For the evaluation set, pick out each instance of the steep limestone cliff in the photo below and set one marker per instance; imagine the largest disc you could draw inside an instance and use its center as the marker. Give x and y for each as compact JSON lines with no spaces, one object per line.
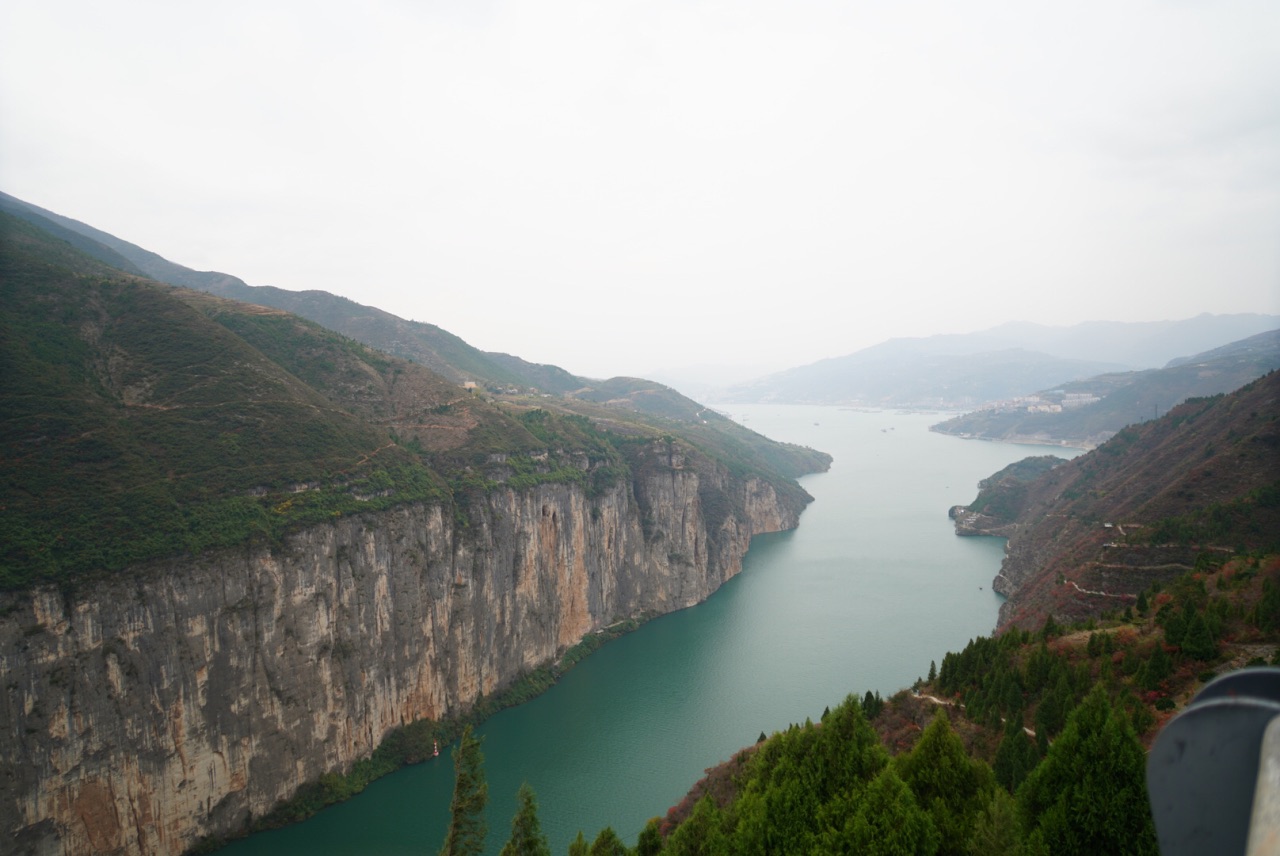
{"x":146,"y":711}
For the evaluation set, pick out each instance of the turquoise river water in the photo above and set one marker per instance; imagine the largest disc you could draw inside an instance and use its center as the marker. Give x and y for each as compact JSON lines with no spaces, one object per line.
{"x":870,"y":588}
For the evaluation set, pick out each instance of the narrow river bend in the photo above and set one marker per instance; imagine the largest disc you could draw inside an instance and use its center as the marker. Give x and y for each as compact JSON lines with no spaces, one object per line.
{"x":870,"y":588}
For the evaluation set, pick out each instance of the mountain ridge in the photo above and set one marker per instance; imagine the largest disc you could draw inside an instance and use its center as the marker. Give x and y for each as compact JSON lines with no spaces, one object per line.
{"x":965,"y":371}
{"x":1086,"y":412}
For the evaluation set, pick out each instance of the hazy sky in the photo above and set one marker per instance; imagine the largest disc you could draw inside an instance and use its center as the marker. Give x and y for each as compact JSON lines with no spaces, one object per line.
{"x":619,"y":187}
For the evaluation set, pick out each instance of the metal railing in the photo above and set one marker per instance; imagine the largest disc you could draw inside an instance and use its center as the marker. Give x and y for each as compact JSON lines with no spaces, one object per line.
{"x":1213,"y":774}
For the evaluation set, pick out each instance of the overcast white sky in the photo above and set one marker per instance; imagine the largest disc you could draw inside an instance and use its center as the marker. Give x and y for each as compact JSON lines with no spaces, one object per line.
{"x":621,"y":187}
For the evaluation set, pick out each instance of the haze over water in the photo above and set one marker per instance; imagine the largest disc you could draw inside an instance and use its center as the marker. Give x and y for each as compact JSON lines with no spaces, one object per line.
{"x":870,"y":588}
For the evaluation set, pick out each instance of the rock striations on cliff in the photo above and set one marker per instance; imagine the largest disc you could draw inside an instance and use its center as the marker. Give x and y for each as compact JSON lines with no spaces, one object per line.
{"x":237,"y":550}
{"x":148,"y":711}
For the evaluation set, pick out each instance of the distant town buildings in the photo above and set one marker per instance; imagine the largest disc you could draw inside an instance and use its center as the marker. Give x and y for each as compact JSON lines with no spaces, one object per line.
{"x":1054,"y":401}
{"x":1078,"y":399}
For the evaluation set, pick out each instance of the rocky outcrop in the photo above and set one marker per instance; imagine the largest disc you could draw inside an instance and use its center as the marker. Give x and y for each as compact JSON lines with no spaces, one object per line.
{"x":972,"y":523}
{"x":146,"y":711}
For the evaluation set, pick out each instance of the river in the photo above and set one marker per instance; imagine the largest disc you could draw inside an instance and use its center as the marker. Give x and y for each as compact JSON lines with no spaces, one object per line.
{"x":870,"y":588}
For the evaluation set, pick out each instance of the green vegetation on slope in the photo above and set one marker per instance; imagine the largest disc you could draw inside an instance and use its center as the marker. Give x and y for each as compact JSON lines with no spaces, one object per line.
{"x":1004,"y":495}
{"x":832,"y":787}
{"x":134,"y":428}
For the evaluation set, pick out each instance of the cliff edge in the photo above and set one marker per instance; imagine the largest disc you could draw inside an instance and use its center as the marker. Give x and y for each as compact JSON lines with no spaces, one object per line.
{"x":187,"y":698}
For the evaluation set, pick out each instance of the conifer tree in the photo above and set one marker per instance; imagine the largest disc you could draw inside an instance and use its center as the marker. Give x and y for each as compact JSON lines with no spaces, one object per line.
{"x":1197,"y":641}
{"x":1094,"y":647}
{"x":1175,"y":626}
{"x":1155,"y":670}
{"x":608,"y":843}
{"x":1054,"y":707}
{"x":872,"y":705}
{"x":527,"y":838}
{"x":847,"y":751}
{"x":701,"y":834}
{"x":1089,"y":794}
{"x":948,"y":785}
{"x":470,"y":794}
{"x":886,"y":822}
{"x":579,"y":845}
{"x":1015,"y":757}
{"x":996,"y":832}
{"x":650,"y":841}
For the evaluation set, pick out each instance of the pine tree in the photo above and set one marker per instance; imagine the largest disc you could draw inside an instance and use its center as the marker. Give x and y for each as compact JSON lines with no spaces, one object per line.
{"x":1016,"y":756}
{"x":701,"y":834}
{"x":1197,"y":642}
{"x":1051,"y":715}
{"x":579,"y":846}
{"x":948,"y":785}
{"x":933,"y":671}
{"x":1089,"y":794}
{"x":846,"y":753}
{"x":1155,"y":670}
{"x":650,"y":841}
{"x":887,"y":820}
{"x":470,"y":794}
{"x":1175,"y":626}
{"x":608,"y":843}
{"x":526,"y":831}
{"x":996,"y":831}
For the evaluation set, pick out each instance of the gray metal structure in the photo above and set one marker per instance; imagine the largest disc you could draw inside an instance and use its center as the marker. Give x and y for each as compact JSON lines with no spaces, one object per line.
{"x":1213,"y":774}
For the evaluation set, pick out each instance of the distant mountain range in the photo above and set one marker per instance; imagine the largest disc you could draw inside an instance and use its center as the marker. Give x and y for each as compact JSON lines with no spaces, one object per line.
{"x":1088,"y":412}
{"x":966,"y":371}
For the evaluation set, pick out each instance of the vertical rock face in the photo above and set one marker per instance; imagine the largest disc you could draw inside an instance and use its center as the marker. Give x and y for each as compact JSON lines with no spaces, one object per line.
{"x":145,"y":712}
